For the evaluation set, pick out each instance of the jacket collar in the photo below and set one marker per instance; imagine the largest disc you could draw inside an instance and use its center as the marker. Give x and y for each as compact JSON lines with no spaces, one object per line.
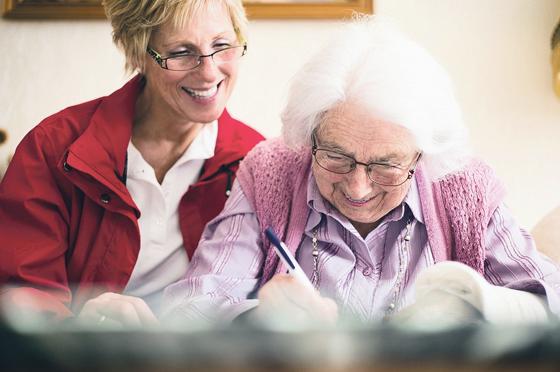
{"x":103,"y":145}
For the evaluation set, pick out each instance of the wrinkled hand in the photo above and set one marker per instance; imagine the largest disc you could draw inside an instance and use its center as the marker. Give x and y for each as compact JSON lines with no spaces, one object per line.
{"x":285,"y":301}
{"x":117,"y":311}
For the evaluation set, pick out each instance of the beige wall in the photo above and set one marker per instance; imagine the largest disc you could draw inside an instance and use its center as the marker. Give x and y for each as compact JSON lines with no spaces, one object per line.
{"x":497,"y":52}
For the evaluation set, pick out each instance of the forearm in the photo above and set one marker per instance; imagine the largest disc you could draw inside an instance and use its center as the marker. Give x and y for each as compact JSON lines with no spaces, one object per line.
{"x":27,"y":304}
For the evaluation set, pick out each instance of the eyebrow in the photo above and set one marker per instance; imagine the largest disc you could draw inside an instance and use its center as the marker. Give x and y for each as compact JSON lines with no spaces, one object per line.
{"x":386,"y":158}
{"x":333,"y":146}
{"x":222,"y":35}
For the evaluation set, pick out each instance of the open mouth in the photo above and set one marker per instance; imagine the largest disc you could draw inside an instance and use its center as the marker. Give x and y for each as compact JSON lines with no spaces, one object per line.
{"x":203,"y":94}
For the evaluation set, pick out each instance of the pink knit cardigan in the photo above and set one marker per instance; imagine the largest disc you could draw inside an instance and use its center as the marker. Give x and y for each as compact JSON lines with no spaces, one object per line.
{"x":456,"y":208}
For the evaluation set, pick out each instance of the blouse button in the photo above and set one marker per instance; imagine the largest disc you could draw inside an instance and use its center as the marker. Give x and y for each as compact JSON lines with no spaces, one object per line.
{"x":367,"y":271}
{"x":105,"y":198}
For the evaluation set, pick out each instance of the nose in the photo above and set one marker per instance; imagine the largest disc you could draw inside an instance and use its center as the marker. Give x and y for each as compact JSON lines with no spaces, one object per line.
{"x":358,"y":184}
{"x":207,"y":68}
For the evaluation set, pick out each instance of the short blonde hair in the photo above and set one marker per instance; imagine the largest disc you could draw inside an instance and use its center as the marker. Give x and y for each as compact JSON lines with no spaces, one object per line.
{"x":134,"y":21}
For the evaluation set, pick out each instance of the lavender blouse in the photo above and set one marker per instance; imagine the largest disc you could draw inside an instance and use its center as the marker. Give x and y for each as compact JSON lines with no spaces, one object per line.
{"x":364,"y":276}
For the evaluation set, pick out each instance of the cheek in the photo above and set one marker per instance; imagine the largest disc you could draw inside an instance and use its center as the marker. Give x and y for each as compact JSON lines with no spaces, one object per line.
{"x":326,"y":182}
{"x":176,"y":78}
{"x":163,"y":81}
{"x":230,"y":71}
{"x":395,"y":197}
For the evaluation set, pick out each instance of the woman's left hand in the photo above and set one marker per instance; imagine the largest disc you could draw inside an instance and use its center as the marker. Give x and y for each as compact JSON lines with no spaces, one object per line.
{"x":117,"y":311}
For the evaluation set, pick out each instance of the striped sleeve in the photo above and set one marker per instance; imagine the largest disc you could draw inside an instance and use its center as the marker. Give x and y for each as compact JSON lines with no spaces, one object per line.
{"x":224,"y":269}
{"x":513,"y":261}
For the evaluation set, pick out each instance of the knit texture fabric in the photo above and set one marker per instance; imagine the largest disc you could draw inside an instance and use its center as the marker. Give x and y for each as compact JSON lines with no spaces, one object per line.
{"x":274,"y":180}
{"x":471,"y":199}
{"x":456,"y":208}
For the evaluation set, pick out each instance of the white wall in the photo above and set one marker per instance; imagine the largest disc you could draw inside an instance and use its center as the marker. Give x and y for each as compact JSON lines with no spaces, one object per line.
{"x":497,"y":52}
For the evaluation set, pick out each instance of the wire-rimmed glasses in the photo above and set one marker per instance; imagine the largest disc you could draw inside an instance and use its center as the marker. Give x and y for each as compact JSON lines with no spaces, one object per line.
{"x":190,"y":61}
{"x":380,"y":173}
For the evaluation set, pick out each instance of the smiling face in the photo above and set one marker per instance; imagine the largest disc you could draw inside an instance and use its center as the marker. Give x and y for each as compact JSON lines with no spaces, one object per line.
{"x":198,"y":95}
{"x":351,"y":130}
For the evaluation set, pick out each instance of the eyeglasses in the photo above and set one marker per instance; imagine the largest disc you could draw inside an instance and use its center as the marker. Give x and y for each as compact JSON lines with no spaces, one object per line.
{"x":380,"y":173}
{"x":190,"y":61}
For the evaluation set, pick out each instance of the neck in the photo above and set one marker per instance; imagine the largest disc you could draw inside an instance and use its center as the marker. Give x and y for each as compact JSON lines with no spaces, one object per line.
{"x":156,"y":129}
{"x":161,"y":138}
{"x":364,"y":228}
{"x":155,"y":120}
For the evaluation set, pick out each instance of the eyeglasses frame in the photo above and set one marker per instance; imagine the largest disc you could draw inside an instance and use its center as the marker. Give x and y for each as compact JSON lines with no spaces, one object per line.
{"x":162,"y":61}
{"x":411,"y":168}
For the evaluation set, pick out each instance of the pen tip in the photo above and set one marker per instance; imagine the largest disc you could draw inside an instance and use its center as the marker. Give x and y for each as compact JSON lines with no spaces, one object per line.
{"x":269,"y":232}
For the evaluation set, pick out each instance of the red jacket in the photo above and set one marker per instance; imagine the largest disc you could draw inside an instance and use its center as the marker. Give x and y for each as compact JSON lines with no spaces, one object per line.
{"x":68,"y":226}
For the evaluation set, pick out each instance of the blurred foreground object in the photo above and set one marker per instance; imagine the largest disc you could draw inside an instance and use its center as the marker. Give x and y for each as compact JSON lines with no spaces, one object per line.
{"x":376,"y":348}
{"x":555,"y":59}
{"x":451,"y":294}
{"x":547,"y":232}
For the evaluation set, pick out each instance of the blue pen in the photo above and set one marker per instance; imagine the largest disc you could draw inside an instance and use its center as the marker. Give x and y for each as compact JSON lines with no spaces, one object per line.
{"x":284,"y":253}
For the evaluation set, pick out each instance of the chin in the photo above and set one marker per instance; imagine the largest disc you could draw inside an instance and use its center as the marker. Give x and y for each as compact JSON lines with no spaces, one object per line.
{"x":208,"y":116}
{"x":360,"y":216}
{"x":361,"y":219}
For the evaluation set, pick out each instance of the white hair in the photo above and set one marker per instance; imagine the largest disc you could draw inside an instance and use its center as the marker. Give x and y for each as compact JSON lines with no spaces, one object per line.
{"x":371,"y":63}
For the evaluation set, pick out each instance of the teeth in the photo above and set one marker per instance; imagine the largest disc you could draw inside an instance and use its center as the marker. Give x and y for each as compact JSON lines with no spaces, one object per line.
{"x":202,"y":93}
{"x":360,"y":201}
{"x":357,"y":201}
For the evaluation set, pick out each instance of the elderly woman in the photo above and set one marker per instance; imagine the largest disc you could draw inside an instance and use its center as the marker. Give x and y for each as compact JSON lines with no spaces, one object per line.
{"x":104,"y":202}
{"x":370,"y":185}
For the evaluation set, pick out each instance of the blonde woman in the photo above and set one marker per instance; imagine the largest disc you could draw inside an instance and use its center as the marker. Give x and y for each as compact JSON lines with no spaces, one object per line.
{"x":104,"y":202}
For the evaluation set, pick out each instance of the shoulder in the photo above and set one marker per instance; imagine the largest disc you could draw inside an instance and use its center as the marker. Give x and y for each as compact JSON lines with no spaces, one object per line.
{"x":236,"y":135}
{"x":72,"y":120}
{"x":474,"y":169}
{"x":476,"y":184}
{"x":58,"y":131}
{"x":274,"y":153}
{"x":475,"y":174}
{"x":104,"y":112}
{"x":271,"y":165}
{"x":239,"y":126}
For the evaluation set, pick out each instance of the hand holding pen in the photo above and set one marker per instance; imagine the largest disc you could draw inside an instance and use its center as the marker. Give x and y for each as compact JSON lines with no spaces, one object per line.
{"x":291,"y":299}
